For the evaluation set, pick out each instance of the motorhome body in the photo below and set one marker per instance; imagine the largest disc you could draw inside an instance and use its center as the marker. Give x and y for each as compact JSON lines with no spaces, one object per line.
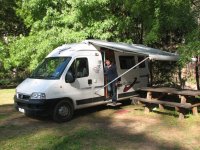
{"x":72,"y":77}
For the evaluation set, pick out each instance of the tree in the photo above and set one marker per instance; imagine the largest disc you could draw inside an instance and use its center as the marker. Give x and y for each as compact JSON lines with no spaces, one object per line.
{"x":157,"y":23}
{"x":10,"y":23}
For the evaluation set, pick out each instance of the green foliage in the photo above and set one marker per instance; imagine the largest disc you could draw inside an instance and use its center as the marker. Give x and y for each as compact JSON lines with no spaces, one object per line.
{"x":33,"y":11}
{"x":172,"y":21}
{"x":158,"y":23}
{"x":163,"y":72}
{"x":2,"y":53}
{"x":35,"y":47}
{"x":191,"y":48}
{"x":10,"y":23}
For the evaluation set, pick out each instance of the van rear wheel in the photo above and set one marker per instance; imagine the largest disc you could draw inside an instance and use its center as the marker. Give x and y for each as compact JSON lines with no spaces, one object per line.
{"x":63,"y":111}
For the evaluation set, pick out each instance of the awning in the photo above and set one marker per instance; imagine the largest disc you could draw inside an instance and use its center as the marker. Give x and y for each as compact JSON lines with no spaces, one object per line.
{"x":152,"y":53}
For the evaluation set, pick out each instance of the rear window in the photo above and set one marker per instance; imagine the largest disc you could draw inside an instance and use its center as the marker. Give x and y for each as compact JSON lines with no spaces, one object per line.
{"x":126,"y":62}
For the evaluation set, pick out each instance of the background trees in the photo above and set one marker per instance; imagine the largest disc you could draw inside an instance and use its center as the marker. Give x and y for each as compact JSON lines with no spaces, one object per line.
{"x":42,"y":25}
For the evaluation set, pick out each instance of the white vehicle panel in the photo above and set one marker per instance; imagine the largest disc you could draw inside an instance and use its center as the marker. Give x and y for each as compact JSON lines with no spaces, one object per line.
{"x":52,"y":88}
{"x":128,"y":78}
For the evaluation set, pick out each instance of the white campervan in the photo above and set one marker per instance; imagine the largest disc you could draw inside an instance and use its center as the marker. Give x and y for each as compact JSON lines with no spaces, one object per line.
{"x":72,"y":77}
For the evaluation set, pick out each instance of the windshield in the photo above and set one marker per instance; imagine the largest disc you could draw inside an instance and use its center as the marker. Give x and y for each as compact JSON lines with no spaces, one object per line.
{"x":51,"y":68}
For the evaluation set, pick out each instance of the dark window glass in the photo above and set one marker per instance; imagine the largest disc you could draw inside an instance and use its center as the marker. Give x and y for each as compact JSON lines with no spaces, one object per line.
{"x":79,"y":68}
{"x":140,"y":58}
{"x":126,"y":62}
{"x":51,"y":68}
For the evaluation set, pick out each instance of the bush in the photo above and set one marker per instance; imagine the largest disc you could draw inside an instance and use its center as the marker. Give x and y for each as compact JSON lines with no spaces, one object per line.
{"x":163,"y":72}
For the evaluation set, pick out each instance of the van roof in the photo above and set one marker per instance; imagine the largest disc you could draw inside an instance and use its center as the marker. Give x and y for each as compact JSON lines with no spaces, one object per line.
{"x":70,"y":49}
{"x":92,"y":45}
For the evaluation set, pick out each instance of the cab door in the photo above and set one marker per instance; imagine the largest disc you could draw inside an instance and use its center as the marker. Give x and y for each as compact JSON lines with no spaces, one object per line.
{"x":88,"y":73}
{"x":81,"y":89}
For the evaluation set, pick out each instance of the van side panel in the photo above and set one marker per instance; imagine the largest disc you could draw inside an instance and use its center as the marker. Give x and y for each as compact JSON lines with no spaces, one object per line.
{"x":134,"y":79}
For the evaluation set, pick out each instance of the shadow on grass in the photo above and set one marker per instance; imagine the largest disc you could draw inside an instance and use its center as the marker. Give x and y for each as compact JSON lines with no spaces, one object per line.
{"x":6,"y":110}
{"x":91,"y":110}
{"x":4,"y":106}
{"x":109,"y":138}
{"x":85,"y":131}
{"x":168,"y":111}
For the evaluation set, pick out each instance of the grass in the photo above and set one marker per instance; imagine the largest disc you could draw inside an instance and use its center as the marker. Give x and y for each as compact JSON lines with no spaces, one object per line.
{"x":98,"y":128}
{"x":6,"y":96}
{"x":3,"y":116}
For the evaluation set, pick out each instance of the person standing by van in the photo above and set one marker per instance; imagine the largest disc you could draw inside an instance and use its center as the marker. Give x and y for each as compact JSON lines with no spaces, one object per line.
{"x":111,"y":73}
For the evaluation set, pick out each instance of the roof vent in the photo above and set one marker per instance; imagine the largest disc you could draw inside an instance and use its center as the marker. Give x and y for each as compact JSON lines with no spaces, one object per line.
{"x":63,"y":48}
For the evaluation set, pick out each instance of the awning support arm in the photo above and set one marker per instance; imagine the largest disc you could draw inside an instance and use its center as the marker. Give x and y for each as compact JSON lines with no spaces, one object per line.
{"x":122,"y":74}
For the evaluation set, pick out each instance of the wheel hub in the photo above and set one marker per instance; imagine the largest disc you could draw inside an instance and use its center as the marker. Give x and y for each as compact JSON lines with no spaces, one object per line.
{"x":63,"y":111}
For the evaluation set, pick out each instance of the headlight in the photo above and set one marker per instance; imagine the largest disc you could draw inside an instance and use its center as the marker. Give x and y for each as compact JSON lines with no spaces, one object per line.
{"x":37,"y":95}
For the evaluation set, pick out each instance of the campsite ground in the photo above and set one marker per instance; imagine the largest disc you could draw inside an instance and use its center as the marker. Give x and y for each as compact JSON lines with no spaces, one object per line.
{"x":98,"y":128}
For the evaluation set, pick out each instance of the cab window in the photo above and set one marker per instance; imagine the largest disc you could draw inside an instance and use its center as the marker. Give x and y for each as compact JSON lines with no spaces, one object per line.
{"x":79,"y":68}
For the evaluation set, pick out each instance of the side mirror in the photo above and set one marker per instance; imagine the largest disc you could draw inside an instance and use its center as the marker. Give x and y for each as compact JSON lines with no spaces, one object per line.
{"x":69,"y":77}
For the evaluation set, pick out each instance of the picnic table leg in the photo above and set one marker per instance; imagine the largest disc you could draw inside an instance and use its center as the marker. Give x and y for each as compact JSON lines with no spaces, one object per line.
{"x":149,"y":95}
{"x":147,"y":108}
{"x":183,"y":99}
{"x":161,"y":107}
{"x":195,"y":111}
{"x":135,"y":102}
{"x":181,"y":112}
{"x":181,"y":116}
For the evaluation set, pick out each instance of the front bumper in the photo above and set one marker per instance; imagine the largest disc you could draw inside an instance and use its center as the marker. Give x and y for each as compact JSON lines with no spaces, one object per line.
{"x":38,"y":107}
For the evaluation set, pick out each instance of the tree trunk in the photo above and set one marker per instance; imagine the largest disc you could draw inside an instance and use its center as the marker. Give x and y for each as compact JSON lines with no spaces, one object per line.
{"x":197,"y":73}
{"x":141,"y":34}
{"x":179,"y":77}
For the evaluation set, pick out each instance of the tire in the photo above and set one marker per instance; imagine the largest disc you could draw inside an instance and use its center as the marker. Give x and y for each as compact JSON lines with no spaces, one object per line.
{"x":63,"y":111}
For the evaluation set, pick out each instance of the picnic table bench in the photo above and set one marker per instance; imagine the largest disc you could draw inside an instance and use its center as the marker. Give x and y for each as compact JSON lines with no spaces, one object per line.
{"x":187,"y":99}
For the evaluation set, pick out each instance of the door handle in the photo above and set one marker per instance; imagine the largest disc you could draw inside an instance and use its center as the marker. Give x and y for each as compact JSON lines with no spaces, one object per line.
{"x":89,"y":81}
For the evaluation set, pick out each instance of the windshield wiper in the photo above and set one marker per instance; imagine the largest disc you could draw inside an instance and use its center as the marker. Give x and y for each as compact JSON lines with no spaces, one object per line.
{"x":37,"y":77}
{"x":52,"y":77}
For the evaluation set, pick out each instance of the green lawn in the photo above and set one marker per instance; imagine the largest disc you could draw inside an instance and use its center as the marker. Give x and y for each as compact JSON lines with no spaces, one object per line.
{"x":99,"y":128}
{"x":6,"y":96}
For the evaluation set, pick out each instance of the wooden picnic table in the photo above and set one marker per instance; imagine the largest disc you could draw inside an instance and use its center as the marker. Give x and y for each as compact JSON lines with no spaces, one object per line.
{"x":183,"y":94}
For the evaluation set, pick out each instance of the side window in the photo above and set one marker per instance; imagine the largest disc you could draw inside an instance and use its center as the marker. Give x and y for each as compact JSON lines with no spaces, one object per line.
{"x":140,"y":58}
{"x":126,"y":62}
{"x":82,"y":69}
{"x":79,"y":68}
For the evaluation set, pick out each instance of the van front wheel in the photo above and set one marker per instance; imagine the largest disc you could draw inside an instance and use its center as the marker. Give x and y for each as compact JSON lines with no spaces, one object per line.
{"x":63,"y":111}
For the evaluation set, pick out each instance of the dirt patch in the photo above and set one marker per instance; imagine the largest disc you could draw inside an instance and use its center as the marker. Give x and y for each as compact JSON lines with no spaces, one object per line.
{"x":100,"y":127}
